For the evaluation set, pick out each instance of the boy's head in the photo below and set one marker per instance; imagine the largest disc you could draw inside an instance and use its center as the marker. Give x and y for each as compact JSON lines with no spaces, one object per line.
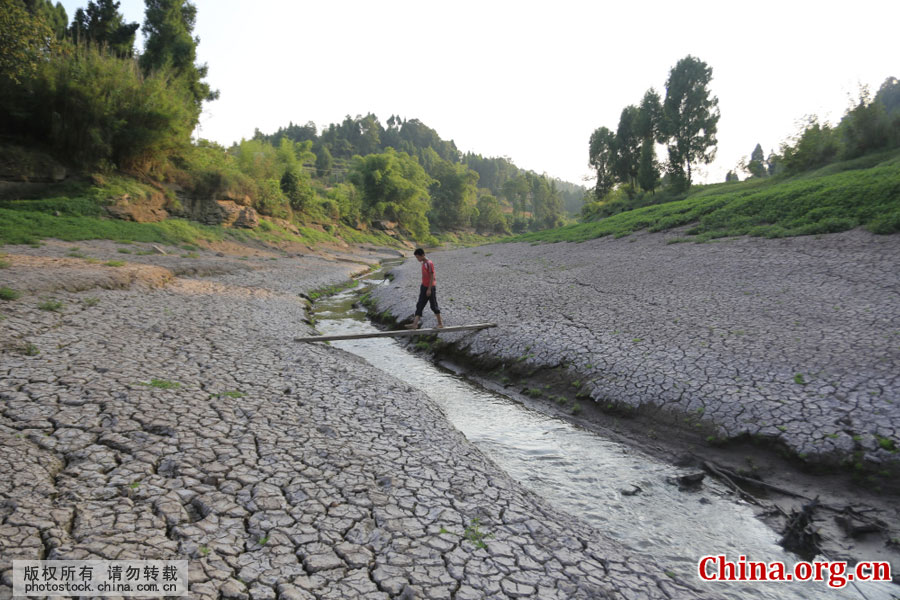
{"x":419,"y":254}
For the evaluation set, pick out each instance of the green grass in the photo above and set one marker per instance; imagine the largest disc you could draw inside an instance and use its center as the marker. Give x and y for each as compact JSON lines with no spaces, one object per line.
{"x":7,"y":293}
{"x":163,"y":384}
{"x":115,"y":263}
{"x":51,"y":305}
{"x":860,"y":193}
{"x":331,"y":290}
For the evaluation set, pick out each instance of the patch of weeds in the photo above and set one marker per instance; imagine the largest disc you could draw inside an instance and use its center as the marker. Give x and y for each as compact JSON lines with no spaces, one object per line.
{"x":134,"y":485}
{"x":442,"y":530}
{"x":195,"y":255}
{"x":474,"y":534}
{"x":7,"y":293}
{"x":75,"y":253}
{"x":30,"y":349}
{"x":534,"y":392}
{"x":575,"y":408}
{"x":51,"y":305}
{"x":231,"y":394}
{"x":115,"y":263}
{"x":798,"y":379}
{"x":886,"y":443}
{"x":92,"y":301}
{"x":204,"y":551}
{"x":423,"y":345}
{"x":263,"y":540}
{"x":4,"y":264}
{"x":636,"y":340}
{"x":124,"y":251}
{"x":504,"y":380}
{"x":560,"y":400}
{"x":163,"y":384}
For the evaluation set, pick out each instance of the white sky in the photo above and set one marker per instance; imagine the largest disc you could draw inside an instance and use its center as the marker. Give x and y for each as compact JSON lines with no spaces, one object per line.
{"x":532,"y":80}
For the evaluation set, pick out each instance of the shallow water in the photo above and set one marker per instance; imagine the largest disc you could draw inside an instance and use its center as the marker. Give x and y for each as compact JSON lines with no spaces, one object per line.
{"x":582,"y":473}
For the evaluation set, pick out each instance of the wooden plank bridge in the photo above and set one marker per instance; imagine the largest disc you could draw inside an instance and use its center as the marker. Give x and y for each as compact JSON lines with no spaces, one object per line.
{"x":397,"y":333}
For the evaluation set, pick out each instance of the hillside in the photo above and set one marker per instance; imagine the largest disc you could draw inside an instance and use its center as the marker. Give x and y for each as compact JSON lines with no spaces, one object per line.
{"x":864,"y":192}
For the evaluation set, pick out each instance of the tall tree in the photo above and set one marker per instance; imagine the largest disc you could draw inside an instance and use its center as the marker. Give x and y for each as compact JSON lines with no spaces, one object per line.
{"x":25,"y":40}
{"x":648,"y":172}
{"x":168,"y":25}
{"x":757,"y":166}
{"x":690,"y":118}
{"x":628,"y":146}
{"x":53,"y":15}
{"x":649,"y":115}
{"x":602,"y":158}
{"x":103,"y":25}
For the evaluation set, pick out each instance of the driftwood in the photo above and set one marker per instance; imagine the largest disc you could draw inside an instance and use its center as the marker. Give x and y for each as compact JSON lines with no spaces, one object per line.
{"x":399,"y":332}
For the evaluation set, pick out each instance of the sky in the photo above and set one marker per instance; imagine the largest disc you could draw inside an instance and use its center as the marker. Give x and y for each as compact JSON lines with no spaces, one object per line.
{"x":532,"y":80}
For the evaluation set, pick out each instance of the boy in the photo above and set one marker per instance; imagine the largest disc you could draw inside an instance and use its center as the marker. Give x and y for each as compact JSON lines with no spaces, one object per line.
{"x":427,"y":291}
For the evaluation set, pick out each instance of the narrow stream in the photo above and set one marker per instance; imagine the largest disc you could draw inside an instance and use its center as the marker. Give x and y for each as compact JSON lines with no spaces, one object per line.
{"x":621,"y":492}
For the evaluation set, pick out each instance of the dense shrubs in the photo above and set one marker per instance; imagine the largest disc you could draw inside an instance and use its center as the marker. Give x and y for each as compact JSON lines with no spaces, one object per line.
{"x":100,"y":111}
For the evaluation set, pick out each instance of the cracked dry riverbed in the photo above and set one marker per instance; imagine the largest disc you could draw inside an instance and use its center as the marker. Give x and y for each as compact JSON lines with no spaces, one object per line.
{"x":159,"y":410}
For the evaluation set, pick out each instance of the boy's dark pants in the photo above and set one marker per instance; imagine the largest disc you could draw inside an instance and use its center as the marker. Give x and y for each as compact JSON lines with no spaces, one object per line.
{"x":424,"y":297}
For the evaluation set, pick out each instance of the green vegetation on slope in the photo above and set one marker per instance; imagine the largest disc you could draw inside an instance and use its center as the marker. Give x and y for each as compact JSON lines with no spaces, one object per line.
{"x":860,"y":193}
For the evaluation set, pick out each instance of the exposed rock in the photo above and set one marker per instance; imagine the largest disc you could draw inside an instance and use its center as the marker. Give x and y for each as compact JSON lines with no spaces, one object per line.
{"x":285,"y":225}
{"x":219,"y":212}
{"x":384,"y":225}
{"x":141,"y":210}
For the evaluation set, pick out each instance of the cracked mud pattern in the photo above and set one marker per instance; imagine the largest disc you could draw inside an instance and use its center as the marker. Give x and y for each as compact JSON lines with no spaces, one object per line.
{"x":795,"y":340}
{"x":172,"y":416}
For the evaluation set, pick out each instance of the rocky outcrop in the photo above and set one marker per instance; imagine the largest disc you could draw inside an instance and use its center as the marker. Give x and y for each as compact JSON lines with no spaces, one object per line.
{"x":227,"y":213}
{"x":149,"y":209}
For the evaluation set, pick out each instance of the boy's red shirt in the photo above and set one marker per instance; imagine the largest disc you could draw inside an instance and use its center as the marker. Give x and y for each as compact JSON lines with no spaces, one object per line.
{"x":427,"y":273}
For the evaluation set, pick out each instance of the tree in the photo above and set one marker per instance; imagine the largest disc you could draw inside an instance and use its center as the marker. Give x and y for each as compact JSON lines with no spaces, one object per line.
{"x":394,"y":186}
{"x":168,"y":25}
{"x":648,"y":172}
{"x":757,"y":165}
{"x":324,"y":162}
{"x":628,"y":147}
{"x":602,"y":158}
{"x":649,"y":116}
{"x":452,"y":194}
{"x":54,"y":16}
{"x":516,"y":190}
{"x":865,"y":128}
{"x":546,"y":203}
{"x":25,"y":41}
{"x":690,"y":118}
{"x":101,"y":24}
{"x":490,"y":217}
{"x":817,"y":145}
{"x":889,"y":95}
{"x":295,"y":186}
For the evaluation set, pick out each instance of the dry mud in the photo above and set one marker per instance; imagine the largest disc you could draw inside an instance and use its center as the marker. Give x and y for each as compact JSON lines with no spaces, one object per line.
{"x":744,"y":350}
{"x":160,"y":410}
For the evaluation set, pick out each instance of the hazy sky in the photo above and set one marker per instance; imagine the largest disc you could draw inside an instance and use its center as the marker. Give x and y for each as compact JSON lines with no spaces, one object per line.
{"x":532,"y":80}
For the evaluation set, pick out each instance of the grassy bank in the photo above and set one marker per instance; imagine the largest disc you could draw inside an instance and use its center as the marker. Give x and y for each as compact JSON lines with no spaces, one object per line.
{"x":842,"y":196}
{"x":76,"y":212}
